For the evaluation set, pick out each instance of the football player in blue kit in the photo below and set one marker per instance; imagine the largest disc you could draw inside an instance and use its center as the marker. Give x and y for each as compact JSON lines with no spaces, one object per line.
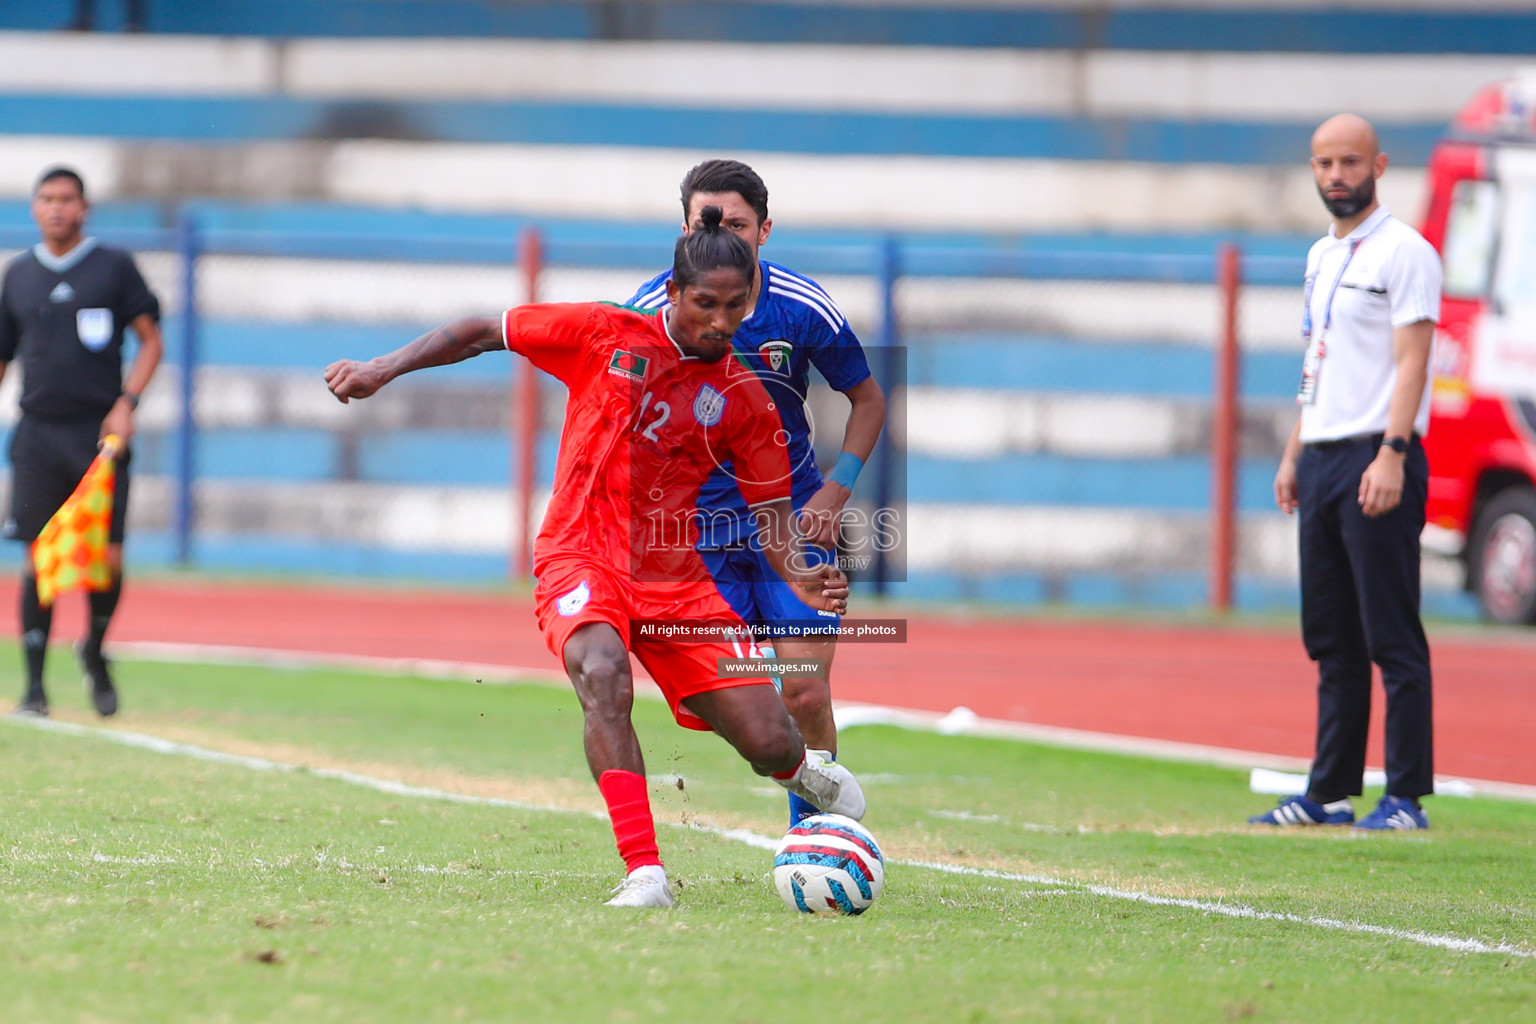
{"x":793,"y":325}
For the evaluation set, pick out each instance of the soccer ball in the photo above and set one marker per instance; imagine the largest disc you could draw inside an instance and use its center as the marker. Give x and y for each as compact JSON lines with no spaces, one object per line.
{"x":828,"y":864}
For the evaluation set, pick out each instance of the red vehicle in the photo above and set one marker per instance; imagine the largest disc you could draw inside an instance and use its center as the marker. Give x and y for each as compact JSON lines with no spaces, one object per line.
{"x":1482,"y":439}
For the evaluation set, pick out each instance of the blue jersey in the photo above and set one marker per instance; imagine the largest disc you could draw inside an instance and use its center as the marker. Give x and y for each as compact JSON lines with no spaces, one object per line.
{"x":794,"y":326}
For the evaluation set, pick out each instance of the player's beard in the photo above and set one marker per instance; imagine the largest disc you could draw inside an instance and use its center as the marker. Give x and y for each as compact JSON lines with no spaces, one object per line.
{"x":1358,"y":199}
{"x":714,"y":356}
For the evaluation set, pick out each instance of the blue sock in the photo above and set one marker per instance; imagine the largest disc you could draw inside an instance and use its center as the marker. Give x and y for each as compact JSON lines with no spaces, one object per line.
{"x":801,"y":808}
{"x":766,"y":650}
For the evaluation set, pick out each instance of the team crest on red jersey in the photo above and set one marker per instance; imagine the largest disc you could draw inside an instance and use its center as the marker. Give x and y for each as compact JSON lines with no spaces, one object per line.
{"x":573,"y":602}
{"x":627,"y":364}
{"x":709,"y":406}
{"x":775,"y":353}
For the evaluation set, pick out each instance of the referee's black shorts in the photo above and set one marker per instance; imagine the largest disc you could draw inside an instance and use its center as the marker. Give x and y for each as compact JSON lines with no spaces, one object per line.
{"x":48,"y":460}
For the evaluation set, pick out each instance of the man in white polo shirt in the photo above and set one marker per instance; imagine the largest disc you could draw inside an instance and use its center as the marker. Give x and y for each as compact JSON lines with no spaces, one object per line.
{"x":1355,"y":470}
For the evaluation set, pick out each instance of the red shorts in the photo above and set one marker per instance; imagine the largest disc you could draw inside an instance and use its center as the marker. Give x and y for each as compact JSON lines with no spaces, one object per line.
{"x":574,"y":591}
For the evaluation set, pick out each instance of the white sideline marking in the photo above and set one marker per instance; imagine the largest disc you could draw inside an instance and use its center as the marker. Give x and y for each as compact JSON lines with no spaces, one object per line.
{"x":962,"y":721}
{"x":159,"y":745}
{"x":986,"y":819}
{"x":267,"y":657}
{"x":1264,"y":780}
{"x":747,"y":837}
{"x":956,"y":721}
{"x":1237,"y":910}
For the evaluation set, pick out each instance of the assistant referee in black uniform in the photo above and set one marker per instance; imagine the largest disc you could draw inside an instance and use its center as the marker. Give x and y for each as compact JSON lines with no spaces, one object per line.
{"x":64,"y":305}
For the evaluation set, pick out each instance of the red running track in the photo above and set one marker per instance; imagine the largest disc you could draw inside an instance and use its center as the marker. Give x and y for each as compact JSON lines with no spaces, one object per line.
{"x":1240,"y":688}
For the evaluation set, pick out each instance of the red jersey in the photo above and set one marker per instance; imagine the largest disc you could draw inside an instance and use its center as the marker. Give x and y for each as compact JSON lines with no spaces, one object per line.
{"x":645,"y":425}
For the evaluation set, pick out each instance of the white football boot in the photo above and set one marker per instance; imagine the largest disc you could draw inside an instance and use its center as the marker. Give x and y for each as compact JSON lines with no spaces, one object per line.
{"x":826,"y":784}
{"x":643,"y":887}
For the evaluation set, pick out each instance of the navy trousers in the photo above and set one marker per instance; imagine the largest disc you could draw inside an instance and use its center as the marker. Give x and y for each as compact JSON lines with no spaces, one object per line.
{"x":1359,"y":605}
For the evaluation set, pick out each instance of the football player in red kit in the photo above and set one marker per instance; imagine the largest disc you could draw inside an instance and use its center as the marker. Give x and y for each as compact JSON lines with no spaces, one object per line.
{"x":655,"y":406}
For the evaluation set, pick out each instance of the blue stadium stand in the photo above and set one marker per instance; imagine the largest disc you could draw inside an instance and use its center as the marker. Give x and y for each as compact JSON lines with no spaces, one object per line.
{"x":1277,"y":27}
{"x":294,"y":228}
{"x":247,"y":119}
{"x":1075,"y":364}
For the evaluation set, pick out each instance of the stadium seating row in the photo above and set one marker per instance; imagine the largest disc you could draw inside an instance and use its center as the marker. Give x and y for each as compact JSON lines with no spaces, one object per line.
{"x":1133,"y":140}
{"x":760,"y":128}
{"x":1090,"y":84}
{"x":1398,"y":26}
{"x":935,"y":362}
{"x":996,"y":195}
{"x":451,"y":458}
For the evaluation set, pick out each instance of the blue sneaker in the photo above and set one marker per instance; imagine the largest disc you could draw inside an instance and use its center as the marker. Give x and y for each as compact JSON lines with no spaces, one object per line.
{"x":1298,"y":810}
{"x":1394,"y":814}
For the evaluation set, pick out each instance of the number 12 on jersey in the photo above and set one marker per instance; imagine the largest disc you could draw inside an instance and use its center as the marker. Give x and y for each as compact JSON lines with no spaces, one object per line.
{"x":658,"y":413}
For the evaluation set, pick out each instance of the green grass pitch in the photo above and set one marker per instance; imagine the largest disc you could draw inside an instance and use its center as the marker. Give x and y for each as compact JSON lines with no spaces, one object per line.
{"x":140,"y":886}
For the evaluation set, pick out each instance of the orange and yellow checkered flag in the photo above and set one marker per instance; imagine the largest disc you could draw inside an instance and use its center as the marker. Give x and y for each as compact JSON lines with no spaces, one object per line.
{"x":71,"y":552}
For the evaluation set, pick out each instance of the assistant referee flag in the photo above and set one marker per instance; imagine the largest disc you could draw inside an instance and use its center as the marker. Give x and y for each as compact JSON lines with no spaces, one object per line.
{"x":71,"y":551}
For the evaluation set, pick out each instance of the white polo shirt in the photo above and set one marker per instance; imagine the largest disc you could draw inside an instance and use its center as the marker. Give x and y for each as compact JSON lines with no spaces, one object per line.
{"x":1391,"y":280}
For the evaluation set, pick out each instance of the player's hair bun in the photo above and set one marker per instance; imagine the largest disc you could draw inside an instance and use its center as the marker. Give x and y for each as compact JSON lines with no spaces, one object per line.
{"x":708,"y":248}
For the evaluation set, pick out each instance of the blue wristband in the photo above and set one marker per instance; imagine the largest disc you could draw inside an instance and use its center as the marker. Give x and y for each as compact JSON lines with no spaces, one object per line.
{"x":846,"y":472}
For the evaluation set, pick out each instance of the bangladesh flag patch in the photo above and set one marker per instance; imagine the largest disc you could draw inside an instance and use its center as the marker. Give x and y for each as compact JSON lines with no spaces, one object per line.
{"x":627,"y":364}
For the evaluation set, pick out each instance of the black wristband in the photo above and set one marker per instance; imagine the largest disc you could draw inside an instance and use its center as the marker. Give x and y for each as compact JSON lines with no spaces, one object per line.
{"x":133,"y":400}
{"x":1397,"y":444}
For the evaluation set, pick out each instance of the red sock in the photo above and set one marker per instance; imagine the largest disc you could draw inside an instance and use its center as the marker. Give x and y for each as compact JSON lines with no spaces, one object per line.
{"x":629,"y":809}
{"x":786,"y":776}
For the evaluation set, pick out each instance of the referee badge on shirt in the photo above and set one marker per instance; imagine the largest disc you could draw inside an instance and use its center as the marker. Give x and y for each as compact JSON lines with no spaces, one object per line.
{"x":708,"y":406}
{"x":94,"y":327}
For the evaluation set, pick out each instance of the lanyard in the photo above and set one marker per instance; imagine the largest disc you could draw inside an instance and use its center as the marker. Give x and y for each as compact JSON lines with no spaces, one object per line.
{"x":1312,"y":364}
{"x":1306,"y":312}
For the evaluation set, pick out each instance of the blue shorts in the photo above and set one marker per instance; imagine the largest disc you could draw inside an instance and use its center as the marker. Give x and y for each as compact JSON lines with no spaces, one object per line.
{"x":760,"y":596}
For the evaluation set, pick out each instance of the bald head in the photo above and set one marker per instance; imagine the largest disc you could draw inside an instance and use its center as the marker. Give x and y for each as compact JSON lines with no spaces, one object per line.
{"x":1346,"y":161}
{"x":1349,"y":131}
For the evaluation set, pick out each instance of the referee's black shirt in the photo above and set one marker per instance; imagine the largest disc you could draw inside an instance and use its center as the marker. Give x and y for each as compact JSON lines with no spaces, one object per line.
{"x":63,"y":317}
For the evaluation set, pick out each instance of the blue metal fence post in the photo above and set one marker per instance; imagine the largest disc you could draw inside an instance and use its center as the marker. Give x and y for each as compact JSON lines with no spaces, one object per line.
{"x":885,"y":365}
{"x":187,"y":242}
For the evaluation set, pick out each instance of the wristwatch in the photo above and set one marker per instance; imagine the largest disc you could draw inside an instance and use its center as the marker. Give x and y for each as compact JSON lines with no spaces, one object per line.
{"x":133,"y":399}
{"x":1397,"y":444}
